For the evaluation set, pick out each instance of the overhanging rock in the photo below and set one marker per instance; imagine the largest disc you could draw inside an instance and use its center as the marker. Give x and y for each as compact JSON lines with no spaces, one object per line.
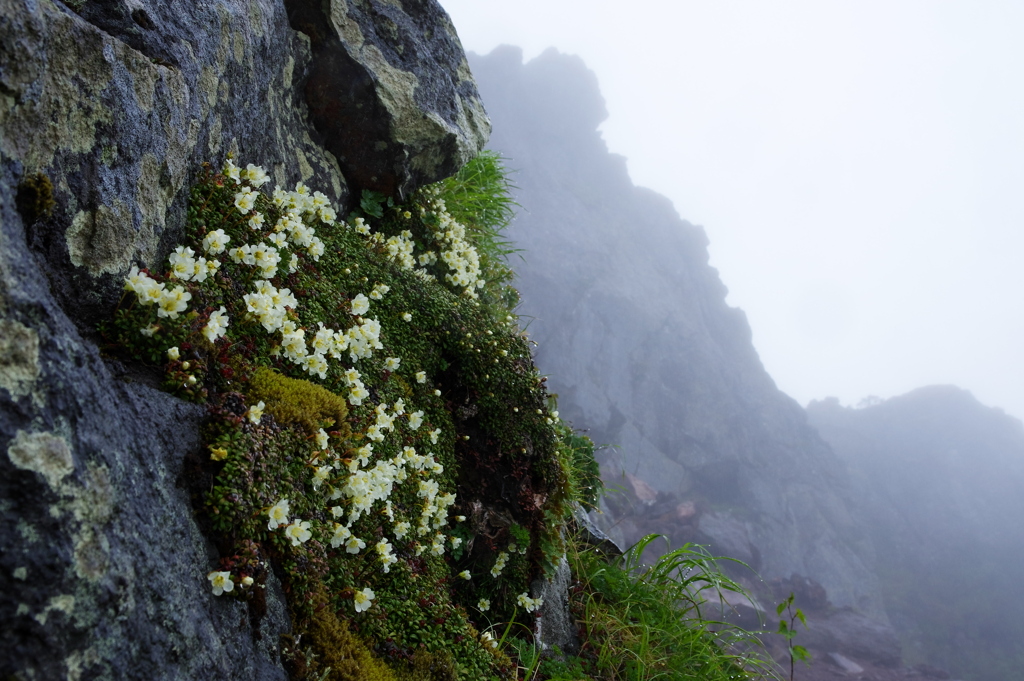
{"x":390,"y":91}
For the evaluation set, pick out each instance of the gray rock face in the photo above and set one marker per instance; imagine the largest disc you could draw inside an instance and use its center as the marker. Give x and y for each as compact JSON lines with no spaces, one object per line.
{"x":118,"y":106}
{"x":845,"y":664}
{"x":390,"y":91}
{"x":859,"y":637}
{"x":107,"y":110}
{"x":555,"y":626}
{"x":642,"y":349}
{"x":102,"y":568}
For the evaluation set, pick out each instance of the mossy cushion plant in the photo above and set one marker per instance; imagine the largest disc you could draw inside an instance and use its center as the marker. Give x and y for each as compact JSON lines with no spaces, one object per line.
{"x":378,"y":434}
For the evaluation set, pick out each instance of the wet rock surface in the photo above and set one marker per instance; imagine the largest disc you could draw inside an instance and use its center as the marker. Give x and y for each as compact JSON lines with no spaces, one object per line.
{"x":107,"y":111}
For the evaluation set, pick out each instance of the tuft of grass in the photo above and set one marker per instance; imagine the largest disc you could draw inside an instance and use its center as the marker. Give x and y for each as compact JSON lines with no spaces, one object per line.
{"x":641,"y":622}
{"x":480,"y":197}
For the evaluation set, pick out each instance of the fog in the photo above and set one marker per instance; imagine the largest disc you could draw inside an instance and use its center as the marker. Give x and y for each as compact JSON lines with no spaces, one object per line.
{"x":888,"y":521}
{"x":857,"y":168}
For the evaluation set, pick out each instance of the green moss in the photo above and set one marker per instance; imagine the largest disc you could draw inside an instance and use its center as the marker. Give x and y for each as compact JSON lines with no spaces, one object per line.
{"x":339,"y":653}
{"x":297,"y":401}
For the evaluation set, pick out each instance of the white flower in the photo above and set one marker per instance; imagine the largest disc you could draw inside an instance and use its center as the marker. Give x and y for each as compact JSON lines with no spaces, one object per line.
{"x":183,"y":263}
{"x":364,"y":599}
{"x":360,"y":304}
{"x":245,"y":200}
{"x":320,"y":475}
{"x":499,"y":564}
{"x":487,"y":638}
{"x":391,"y":363}
{"x":354,"y":545}
{"x":173,"y":302}
{"x":415,"y":420}
{"x":421,"y":376}
{"x":465,"y":575}
{"x":278,"y":514}
{"x":433,"y":435}
{"x":255,"y":412}
{"x":148,"y":290}
{"x":357,"y":394}
{"x":256,"y":221}
{"x":341,"y":533}
{"x":256,"y":175}
{"x":231,"y":170}
{"x":217,"y":326}
{"x":173,"y":353}
{"x":456,"y":542}
{"x":407,"y":317}
{"x":483,"y":605}
{"x":221,"y":582}
{"x":327,"y":214}
{"x":315,"y":248}
{"x":401,"y":529}
{"x":298,"y":532}
{"x":321,"y":438}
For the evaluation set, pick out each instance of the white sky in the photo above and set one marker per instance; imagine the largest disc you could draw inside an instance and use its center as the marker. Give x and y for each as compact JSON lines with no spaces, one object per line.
{"x":858,"y":167}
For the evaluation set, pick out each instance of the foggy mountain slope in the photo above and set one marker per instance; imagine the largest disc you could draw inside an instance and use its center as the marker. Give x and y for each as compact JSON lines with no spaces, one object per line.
{"x":940,"y":479}
{"x":640,"y":345}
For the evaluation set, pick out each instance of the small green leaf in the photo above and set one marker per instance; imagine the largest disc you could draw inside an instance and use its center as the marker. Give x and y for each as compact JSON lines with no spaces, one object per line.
{"x":372,"y":203}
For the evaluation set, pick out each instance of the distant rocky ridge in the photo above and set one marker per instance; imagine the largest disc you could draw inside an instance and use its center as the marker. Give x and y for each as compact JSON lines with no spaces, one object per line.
{"x":939,"y":479}
{"x":634,"y":331}
{"x":632,"y":326}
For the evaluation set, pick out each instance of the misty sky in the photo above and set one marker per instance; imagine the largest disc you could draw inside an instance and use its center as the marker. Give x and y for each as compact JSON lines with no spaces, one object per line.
{"x":858,"y":167}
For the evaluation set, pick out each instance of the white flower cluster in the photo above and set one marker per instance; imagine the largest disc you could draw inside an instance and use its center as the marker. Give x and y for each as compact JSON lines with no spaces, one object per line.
{"x":170,"y":302}
{"x":530,"y":604}
{"x":457,"y":253}
{"x":365,"y":487}
{"x":269,"y":305}
{"x":186,"y":267}
{"x":400,"y":249}
{"x":253,"y":174}
{"x":499,"y":564}
{"x":297,"y":530}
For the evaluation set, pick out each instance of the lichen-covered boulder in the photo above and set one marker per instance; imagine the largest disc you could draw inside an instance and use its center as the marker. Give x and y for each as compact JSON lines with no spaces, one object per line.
{"x":390,"y":91}
{"x":117,"y":104}
{"x":107,"y":112}
{"x":103,"y":571}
